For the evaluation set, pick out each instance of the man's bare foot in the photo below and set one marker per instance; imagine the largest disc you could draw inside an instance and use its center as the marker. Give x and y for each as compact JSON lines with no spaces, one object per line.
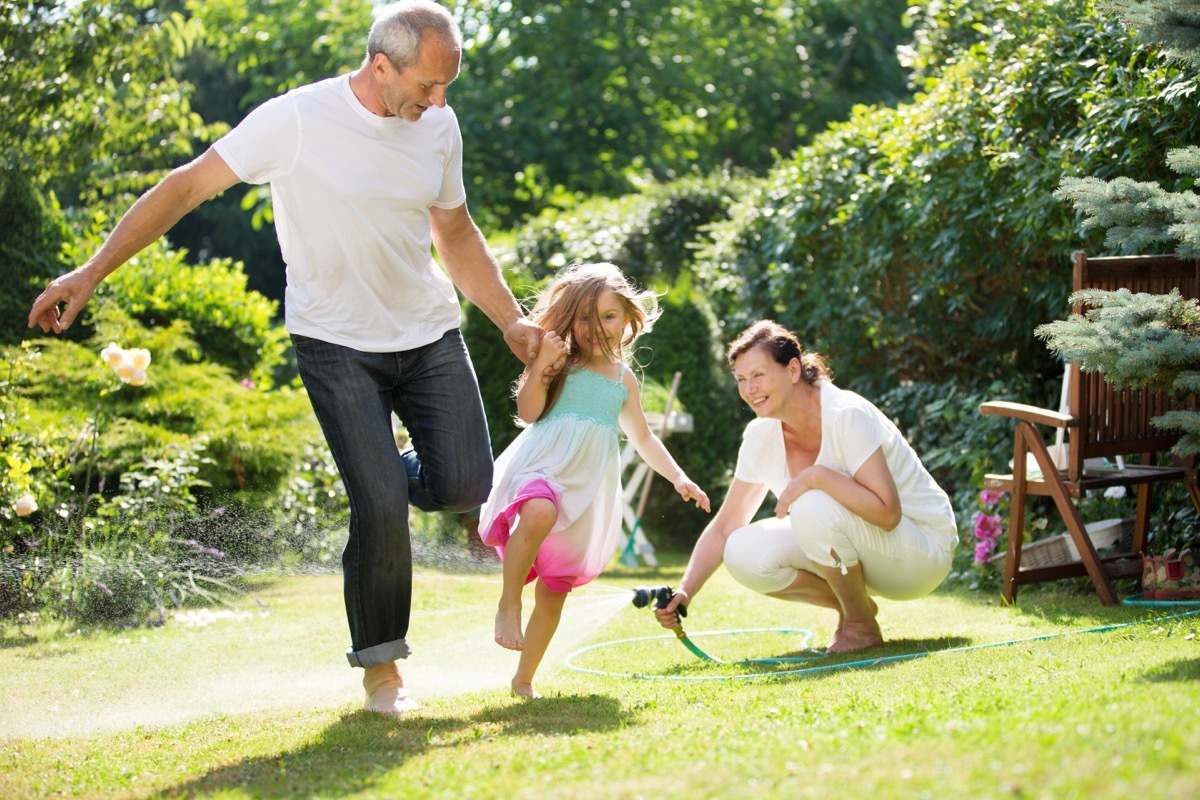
{"x":523,"y":689}
{"x":385,"y":691}
{"x":508,"y":629}
{"x":855,"y":636}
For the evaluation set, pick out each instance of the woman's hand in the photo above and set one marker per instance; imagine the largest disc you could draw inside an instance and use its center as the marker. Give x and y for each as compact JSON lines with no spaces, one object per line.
{"x":667,"y":616}
{"x":871,"y":492}
{"x":688,"y":490}
{"x":807,"y":480}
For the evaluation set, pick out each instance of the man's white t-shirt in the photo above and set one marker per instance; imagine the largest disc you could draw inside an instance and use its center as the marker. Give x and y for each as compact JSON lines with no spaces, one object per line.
{"x":351,"y":193}
{"x":852,"y":429}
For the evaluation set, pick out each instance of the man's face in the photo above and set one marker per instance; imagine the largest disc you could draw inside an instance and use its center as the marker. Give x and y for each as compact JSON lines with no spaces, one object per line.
{"x":409,"y":93}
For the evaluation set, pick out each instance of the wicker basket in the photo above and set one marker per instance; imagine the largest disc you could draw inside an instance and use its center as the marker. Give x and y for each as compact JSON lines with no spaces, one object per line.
{"x":1042,"y":553}
{"x":1061,"y":549}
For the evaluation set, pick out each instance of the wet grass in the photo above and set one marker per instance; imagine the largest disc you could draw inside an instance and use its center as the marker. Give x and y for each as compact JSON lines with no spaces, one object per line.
{"x":260,"y":702}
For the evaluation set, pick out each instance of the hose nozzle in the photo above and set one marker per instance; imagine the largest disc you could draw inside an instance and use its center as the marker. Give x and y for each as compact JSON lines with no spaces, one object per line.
{"x":660,"y":595}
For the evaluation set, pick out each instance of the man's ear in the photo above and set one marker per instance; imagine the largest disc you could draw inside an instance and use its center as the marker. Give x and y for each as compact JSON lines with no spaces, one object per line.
{"x":381,"y":65}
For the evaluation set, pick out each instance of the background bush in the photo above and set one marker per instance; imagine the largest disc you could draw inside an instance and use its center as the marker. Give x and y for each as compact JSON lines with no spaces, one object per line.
{"x":30,"y":239}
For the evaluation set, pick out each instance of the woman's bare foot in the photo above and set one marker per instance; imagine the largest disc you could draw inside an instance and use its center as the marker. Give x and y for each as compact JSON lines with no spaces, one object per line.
{"x":842,"y":617}
{"x":385,"y":691}
{"x":855,"y":636}
{"x":508,"y":629}
{"x":523,"y":689}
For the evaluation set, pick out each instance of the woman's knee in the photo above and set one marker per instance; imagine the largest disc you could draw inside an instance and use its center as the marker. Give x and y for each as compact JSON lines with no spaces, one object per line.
{"x":819,"y":524}
{"x":754,"y":562}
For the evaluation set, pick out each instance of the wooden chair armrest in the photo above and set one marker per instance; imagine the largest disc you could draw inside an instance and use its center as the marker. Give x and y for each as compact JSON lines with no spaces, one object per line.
{"x":1040,"y":416}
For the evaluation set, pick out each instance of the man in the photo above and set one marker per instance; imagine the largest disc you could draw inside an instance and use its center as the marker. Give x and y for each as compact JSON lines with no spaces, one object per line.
{"x":366,"y":173}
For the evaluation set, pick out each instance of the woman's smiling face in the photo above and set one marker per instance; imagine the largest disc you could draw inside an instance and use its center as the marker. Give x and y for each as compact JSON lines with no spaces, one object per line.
{"x":762,"y":382}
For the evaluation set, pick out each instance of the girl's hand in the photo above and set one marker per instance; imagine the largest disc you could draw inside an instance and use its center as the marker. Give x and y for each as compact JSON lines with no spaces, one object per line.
{"x":806,"y":480}
{"x":690,"y":491}
{"x":551,"y":357}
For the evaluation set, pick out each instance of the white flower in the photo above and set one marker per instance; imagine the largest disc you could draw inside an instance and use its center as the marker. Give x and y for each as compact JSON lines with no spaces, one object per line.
{"x":130,"y":365}
{"x":25,"y":505}
{"x":1116,"y":492}
{"x":112,"y":355}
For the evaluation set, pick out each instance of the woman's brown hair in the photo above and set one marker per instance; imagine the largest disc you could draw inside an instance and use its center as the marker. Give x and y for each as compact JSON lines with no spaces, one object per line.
{"x":782,"y":345}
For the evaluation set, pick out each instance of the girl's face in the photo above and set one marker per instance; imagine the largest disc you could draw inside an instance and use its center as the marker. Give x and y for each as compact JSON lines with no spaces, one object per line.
{"x":608,"y":329}
{"x":763,"y":382}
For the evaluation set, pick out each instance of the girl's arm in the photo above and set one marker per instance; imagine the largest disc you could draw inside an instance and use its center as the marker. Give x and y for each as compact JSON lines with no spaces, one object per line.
{"x":736,"y":512}
{"x":531,"y":397}
{"x":651,"y":448}
{"x":870,"y":494}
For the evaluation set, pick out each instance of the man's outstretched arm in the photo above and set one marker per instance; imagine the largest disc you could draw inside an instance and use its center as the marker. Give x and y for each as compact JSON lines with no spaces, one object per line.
{"x":150,"y":217}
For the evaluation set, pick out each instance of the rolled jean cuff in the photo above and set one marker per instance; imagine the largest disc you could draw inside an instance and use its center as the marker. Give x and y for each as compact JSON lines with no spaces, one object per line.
{"x":379,"y":654}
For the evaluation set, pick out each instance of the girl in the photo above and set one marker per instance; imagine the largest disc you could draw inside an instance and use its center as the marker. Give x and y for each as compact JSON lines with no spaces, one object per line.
{"x":554,"y":512}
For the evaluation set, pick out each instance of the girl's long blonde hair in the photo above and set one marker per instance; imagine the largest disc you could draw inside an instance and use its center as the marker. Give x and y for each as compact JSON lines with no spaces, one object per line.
{"x":577,"y":290}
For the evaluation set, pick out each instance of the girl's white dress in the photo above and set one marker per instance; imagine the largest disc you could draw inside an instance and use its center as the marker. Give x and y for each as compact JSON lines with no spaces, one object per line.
{"x":571,"y":457}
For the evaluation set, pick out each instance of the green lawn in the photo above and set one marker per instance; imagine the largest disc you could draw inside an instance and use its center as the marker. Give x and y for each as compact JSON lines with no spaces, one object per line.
{"x":260,"y":703}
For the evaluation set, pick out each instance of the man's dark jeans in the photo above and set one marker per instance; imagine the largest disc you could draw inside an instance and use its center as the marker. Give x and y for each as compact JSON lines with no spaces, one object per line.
{"x":433,"y":391}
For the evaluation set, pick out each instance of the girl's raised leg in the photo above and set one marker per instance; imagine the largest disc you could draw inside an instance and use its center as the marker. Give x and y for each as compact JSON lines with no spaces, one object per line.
{"x":543,"y":622}
{"x":536,"y":517}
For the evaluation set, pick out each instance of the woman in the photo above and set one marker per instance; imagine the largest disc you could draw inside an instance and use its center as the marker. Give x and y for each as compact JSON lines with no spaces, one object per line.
{"x":857,"y":514}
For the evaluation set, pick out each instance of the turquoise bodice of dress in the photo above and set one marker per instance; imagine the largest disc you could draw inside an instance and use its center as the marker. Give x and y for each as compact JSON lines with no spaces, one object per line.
{"x":587,"y":395}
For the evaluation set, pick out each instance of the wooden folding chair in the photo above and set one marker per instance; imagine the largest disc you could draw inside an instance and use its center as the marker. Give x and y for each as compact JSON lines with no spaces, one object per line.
{"x":1101,"y":424}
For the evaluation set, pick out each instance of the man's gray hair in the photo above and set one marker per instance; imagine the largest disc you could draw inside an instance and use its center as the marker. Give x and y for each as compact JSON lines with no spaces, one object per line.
{"x":399,"y":30}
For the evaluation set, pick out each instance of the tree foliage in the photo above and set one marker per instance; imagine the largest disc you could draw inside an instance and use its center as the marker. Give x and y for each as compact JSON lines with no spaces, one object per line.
{"x":1141,"y":340}
{"x":92,"y":106}
{"x":559,"y":99}
{"x":923,"y":242}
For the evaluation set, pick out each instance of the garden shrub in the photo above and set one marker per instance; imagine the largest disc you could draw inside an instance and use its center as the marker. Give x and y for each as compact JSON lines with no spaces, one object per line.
{"x":30,"y":239}
{"x":687,"y":339}
{"x":230,"y":325}
{"x":651,"y":236}
{"x":924,"y":242}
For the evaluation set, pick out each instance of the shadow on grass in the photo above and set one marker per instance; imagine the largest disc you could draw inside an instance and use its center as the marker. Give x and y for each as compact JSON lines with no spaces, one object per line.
{"x":806,"y":663}
{"x":361,"y":748}
{"x":1183,"y":669}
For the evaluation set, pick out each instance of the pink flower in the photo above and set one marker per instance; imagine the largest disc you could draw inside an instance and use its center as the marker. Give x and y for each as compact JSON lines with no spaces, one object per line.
{"x":249,"y":384}
{"x":983,"y":552}
{"x":990,"y":497}
{"x":987,"y":526}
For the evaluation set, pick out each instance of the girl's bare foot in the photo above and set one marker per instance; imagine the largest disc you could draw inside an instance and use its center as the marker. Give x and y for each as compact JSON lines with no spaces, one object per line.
{"x":523,"y":689}
{"x":508,"y":629}
{"x":385,"y":691}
